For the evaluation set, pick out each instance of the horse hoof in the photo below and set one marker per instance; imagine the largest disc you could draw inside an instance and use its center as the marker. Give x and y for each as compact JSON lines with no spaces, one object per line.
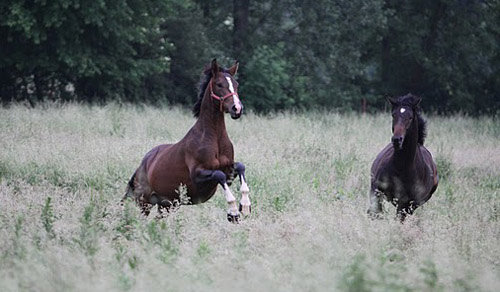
{"x":160,"y":217}
{"x":245,"y":210}
{"x":233,"y":218}
{"x":374,"y":214}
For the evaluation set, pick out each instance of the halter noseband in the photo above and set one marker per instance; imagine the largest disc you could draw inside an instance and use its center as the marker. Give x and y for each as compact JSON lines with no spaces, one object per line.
{"x":220,"y":99}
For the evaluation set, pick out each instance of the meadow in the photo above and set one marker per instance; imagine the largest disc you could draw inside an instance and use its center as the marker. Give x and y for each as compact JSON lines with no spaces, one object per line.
{"x":64,"y":168}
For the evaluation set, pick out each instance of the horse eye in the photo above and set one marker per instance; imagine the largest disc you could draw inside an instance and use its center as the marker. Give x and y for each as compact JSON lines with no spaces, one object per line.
{"x":219,"y":84}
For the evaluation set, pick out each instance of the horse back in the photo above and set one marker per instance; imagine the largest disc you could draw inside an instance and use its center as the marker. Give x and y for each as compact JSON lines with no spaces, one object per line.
{"x":150,"y":157}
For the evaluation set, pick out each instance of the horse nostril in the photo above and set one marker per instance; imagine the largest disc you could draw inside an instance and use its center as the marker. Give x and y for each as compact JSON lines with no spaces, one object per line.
{"x":233,"y":108}
{"x":398,"y":140}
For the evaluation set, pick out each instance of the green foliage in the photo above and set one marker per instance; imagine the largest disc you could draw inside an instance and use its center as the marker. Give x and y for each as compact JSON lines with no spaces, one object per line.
{"x":444,"y":167}
{"x":203,"y":249}
{"x":266,"y":80}
{"x":294,"y":53}
{"x":384,"y":274}
{"x":128,"y":220}
{"x":430,"y":275}
{"x":344,"y":164}
{"x":87,"y":239}
{"x":446,"y":51}
{"x":337,"y":66}
{"x":279,"y":203}
{"x":156,"y":235}
{"x":354,"y":278}
{"x":48,"y":218}
{"x":104,"y":49}
{"x":19,"y":248}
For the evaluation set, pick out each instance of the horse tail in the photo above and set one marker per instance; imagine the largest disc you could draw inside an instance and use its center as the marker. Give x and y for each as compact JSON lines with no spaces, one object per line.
{"x":129,"y":191}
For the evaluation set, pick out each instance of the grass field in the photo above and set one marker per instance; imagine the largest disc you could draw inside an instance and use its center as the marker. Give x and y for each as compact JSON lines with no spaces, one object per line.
{"x":63,"y":170}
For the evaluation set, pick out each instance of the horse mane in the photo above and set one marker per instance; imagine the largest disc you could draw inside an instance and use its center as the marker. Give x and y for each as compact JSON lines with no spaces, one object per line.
{"x":205,"y":78}
{"x":422,"y":129}
{"x":410,"y":100}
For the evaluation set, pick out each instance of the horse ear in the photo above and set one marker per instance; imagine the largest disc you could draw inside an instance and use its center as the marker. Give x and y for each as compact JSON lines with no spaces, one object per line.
{"x":215,"y":67}
{"x":234,"y":69}
{"x":391,"y":100}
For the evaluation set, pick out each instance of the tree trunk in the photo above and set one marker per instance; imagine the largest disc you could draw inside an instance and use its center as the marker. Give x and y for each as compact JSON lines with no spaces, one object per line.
{"x":205,"y":6}
{"x":386,"y":64}
{"x":241,"y":11}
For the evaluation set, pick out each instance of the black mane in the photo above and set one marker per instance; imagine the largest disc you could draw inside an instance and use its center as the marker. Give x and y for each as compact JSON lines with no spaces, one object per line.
{"x":206,"y":76}
{"x":410,"y":100}
{"x":422,"y":129}
{"x":202,"y":86}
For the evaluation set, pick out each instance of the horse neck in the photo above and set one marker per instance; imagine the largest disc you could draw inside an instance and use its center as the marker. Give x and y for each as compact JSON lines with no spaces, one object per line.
{"x":211,"y":119}
{"x":405,"y":158}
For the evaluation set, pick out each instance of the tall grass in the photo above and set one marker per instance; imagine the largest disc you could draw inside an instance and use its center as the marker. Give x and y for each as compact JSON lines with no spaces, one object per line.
{"x":63,"y":170}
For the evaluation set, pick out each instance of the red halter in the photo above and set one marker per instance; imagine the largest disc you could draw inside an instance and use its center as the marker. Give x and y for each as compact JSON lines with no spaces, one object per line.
{"x":220,"y":99}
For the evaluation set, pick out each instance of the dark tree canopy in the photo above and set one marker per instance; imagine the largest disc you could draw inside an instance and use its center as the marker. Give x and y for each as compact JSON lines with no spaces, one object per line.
{"x":293,"y":53}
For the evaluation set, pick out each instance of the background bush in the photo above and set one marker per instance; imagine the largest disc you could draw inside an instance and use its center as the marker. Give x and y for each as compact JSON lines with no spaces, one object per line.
{"x":294,"y":53}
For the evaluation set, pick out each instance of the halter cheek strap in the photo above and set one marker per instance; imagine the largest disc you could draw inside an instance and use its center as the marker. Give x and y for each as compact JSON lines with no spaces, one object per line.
{"x":220,"y":99}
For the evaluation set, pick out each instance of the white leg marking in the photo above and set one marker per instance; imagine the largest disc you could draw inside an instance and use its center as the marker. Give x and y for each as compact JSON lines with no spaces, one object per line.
{"x":245,"y":199}
{"x":231,"y":201}
{"x":237,"y":102}
{"x":229,"y":196}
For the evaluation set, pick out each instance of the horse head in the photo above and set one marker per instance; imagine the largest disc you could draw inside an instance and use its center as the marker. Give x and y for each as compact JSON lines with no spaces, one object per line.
{"x":224,"y":89}
{"x":404,"y":113}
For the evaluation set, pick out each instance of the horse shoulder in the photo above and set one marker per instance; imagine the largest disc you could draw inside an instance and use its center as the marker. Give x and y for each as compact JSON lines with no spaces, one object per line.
{"x":202,"y":158}
{"x":226,"y":153}
{"x":381,"y":161}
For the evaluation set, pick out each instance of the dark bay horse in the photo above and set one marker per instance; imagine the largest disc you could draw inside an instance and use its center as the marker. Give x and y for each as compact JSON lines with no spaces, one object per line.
{"x":404,"y":171}
{"x":203,"y":159}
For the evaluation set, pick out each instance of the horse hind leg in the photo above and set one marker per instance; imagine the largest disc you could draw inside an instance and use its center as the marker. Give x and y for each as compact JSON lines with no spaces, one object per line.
{"x":139,"y":190}
{"x":165,"y":207}
{"x":245,"y":205}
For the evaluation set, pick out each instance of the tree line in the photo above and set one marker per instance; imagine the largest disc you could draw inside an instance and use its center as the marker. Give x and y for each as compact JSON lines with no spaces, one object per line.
{"x":343,"y":54}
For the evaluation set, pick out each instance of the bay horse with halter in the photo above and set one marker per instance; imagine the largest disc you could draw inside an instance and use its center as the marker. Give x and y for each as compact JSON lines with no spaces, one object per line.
{"x":404,"y":171}
{"x":203,"y":159}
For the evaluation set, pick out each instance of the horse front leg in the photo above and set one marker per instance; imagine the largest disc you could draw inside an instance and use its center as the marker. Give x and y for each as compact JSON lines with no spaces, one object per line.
{"x":403,"y":210}
{"x":245,"y":207}
{"x":205,"y":175}
{"x":375,"y":207}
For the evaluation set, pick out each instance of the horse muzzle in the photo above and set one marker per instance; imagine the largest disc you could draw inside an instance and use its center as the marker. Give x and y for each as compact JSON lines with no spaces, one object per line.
{"x":397,"y":142}
{"x":236,"y":112}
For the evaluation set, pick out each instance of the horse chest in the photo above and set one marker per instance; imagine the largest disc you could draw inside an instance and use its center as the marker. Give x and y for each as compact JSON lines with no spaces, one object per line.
{"x":400,"y":188}
{"x":216,"y":159}
{"x":224,"y":155}
{"x":223,"y":162}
